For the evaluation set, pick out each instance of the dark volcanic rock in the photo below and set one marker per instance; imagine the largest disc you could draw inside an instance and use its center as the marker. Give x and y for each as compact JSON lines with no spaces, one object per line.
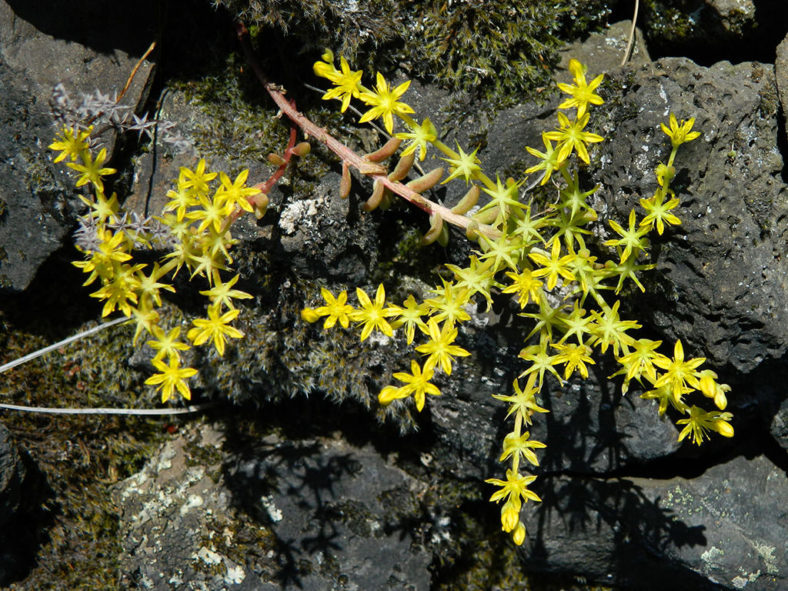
{"x":37,"y":198}
{"x":214,"y":512}
{"x":719,"y":284}
{"x":781,"y":78}
{"x":314,"y":514}
{"x":725,"y":527}
{"x":12,"y":476}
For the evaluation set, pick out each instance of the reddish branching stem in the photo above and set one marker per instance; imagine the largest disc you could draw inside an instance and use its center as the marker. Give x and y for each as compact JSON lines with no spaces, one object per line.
{"x":260,"y":200}
{"x":373,"y":170}
{"x":266,"y":186}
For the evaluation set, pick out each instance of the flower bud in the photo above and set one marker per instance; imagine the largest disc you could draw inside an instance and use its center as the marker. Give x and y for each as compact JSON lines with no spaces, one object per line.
{"x":510,"y":516}
{"x":389,"y":394}
{"x":519,"y":534}
{"x":707,"y":384}
{"x":720,"y":400}
{"x":723,"y":428}
{"x":309,"y":315}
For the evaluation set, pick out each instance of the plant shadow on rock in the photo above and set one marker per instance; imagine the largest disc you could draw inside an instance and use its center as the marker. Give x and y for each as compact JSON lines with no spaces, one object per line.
{"x":90,"y":23}
{"x":595,"y":518}
{"x":328,"y":492}
{"x":26,"y":529}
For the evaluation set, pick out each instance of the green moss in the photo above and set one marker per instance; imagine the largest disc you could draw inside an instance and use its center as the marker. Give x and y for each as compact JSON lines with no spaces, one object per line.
{"x":238,"y":127}
{"x":80,"y":458}
{"x":505,"y":51}
{"x":69,"y":513}
{"x":671,"y":22}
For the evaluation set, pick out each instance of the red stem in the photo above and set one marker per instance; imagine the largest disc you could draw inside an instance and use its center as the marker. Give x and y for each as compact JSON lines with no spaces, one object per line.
{"x":373,"y":170}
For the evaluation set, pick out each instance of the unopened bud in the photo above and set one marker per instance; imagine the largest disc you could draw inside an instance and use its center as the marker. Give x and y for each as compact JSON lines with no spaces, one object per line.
{"x":510,"y":516}
{"x":519,"y":534}
{"x":309,"y":315}
{"x":723,"y":428}
{"x":260,"y":204}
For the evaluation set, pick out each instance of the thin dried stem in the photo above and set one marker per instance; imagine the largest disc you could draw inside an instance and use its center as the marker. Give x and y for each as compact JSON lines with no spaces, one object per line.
{"x":111,"y":411}
{"x":64,"y":342}
{"x":134,"y":72}
{"x":631,"y":34}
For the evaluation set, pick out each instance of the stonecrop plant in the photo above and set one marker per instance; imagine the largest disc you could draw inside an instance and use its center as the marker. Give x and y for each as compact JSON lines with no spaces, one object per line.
{"x":536,"y":250}
{"x":193,"y":231}
{"x":539,"y":253}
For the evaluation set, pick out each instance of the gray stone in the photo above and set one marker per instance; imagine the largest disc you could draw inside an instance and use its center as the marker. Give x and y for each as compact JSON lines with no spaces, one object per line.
{"x":37,"y":198}
{"x":723,"y":529}
{"x":719,"y":283}
{"x":35,"y":212}
{"x":735,"y":16}
{"x":781,"y":78}
{"x":590,"y":429}
{"x":778,"y":427}
{"x":211,"y":513}
{"x":273,"y":514}
{"x":603,"y":51}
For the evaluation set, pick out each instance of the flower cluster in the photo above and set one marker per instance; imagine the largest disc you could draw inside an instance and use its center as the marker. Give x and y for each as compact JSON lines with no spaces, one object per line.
{"x":435,"y":318}
{"x":539,"y":251}
{"x":533,"y":248}
{"x":196,"y":221}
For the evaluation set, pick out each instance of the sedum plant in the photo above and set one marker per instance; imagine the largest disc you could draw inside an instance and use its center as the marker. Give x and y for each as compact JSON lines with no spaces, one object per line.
{"x":538,"y":251}
{"x":192,"y":235}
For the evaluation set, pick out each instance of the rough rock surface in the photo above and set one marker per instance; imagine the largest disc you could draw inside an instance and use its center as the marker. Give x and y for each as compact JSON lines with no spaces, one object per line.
{"x":213,"y":512}
{"x":37,"y":207}
{"x":725,"y":527}
{"x":781,"y":78}
{"x":735,"y":16}
{"x":12,"y":476}
{"x":313,"y":514}
{"x":722,"y":269}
